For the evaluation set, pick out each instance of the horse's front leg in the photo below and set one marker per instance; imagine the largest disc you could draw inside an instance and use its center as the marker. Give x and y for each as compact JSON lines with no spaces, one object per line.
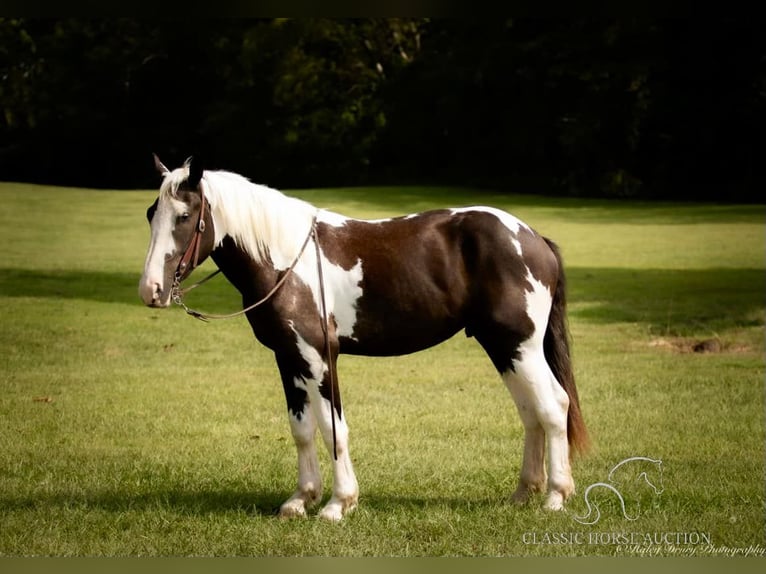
{"x":309,"y":490}
{"x":308,"y":392}
{"x":324,"y":398}
{"x":345,"y":489}
{"x":303,"y":428}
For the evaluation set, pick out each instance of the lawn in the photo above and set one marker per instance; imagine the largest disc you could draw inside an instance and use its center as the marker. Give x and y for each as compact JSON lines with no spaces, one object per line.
{"x":128,"y":431}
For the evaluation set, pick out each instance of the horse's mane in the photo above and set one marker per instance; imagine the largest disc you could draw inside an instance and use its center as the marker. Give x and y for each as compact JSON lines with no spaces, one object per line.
{"x":263,"y":221}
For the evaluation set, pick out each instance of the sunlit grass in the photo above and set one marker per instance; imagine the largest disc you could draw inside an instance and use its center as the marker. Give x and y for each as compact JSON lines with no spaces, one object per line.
{"x":130,"y":431}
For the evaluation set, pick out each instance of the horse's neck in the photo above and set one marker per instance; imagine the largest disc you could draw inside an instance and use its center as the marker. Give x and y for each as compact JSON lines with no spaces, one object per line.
{"x":261,"y":220}
{"x":252,"y":279}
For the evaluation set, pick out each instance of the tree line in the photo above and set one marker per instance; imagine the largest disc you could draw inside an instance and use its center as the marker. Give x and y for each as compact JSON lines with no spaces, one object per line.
{"x":626,"y":107}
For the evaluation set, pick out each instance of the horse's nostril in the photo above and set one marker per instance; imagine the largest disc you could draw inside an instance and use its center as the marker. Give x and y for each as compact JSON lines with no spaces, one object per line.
{"x":150,"y":293}
{"x":157,"y":292}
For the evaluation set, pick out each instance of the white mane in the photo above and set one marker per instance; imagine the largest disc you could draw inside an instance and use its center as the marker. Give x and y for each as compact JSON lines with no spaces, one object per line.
{"x":263,"y":221}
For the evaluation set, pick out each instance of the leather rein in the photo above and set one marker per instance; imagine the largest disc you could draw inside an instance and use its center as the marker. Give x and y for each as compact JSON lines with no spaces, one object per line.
{"x":191,"y":256}
{"x":192,"y":251}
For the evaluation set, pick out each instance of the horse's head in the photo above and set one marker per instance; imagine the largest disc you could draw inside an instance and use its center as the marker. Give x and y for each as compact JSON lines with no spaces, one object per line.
{"x":182,"y":233}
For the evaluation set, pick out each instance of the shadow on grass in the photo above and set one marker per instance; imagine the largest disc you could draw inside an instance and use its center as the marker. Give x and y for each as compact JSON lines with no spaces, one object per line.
{"x":667,"y":300}
{"x":105,"y":287}
{"x":191,"y":502}
{"x":206,"y":502}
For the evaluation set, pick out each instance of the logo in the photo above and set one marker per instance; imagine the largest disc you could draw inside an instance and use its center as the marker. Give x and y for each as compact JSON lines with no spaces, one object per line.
{"x":628,"y":482}
{"x":639,"y":468}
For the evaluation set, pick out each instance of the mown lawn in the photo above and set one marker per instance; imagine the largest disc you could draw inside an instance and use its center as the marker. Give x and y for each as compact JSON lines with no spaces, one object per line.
{"x":126,"y":431}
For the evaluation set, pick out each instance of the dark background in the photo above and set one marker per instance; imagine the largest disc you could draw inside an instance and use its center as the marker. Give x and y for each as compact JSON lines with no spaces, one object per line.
{"x":642,"y":108}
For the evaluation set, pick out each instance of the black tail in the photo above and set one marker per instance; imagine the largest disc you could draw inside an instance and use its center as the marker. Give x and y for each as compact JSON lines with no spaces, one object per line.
{"x":556,"y":348}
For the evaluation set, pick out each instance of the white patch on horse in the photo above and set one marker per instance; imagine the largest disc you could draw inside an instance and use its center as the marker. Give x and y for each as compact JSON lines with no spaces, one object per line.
{"x":338,"y":220}
{"x":314,"y":360}
{"x":345,"y":290}
{"x":539,"y":301}
{"x":332,"y":218}
{"x":513,"y":224}
{"x":342,"y":288}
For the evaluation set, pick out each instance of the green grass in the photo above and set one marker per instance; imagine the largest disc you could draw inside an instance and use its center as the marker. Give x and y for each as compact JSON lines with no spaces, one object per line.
{"x":131,"y":431}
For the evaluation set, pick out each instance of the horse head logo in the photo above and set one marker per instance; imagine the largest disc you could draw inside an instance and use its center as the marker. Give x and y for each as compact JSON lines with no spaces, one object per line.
{"x":651,"y":474}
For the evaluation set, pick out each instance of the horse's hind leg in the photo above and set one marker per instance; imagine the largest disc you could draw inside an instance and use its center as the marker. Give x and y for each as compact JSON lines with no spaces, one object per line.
{"x":542,"y":404}
{"x":533,"y":476}
{"x":518,"y":355}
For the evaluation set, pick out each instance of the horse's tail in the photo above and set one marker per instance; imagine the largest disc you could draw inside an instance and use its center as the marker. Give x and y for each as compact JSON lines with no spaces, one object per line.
{"x":556,"y":348}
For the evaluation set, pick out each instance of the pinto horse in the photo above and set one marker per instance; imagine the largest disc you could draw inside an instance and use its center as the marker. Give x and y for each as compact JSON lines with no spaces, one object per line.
{"x":377,"y":288}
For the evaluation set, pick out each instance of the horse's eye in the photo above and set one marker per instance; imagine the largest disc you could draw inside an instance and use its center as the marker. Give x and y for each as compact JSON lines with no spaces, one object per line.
{"x":184,"y":216}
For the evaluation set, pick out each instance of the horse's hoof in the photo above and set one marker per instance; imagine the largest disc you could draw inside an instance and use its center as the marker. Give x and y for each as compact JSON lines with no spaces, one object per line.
{"x":292,"y":508}
{"x":555,"y":501}
{"x":521,"y":496}
{"x":334,"y":511}
{"x":526,"y":490}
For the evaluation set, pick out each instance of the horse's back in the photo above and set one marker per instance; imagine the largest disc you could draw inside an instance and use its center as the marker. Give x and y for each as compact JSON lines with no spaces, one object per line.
{"x":427,"y":276}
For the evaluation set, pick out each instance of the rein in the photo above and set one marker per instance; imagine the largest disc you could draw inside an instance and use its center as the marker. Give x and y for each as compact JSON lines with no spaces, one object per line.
{"x":192,"y":251}
{"x":177,"y":293}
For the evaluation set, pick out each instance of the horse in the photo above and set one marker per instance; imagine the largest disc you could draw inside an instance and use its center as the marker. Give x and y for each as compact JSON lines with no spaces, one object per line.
{"x":316,"y":284}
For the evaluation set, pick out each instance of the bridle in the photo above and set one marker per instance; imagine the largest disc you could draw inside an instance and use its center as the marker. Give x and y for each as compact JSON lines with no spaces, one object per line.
{"x":191,"y":256}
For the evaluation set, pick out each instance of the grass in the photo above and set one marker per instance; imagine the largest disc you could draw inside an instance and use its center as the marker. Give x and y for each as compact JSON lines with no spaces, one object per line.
{"x":126,"y":431}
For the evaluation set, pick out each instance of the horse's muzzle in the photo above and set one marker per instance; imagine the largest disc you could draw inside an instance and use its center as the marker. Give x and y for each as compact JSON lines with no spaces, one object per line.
{"x":152,"y":294}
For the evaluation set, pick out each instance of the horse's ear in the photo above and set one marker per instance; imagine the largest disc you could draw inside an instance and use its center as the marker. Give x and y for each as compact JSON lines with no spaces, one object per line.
{"x":160,"y":166}
{"x":195,"y":171}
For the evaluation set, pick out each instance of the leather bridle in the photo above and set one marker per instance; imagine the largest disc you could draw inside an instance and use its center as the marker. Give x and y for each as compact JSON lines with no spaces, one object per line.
{"x":191,"y":255}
